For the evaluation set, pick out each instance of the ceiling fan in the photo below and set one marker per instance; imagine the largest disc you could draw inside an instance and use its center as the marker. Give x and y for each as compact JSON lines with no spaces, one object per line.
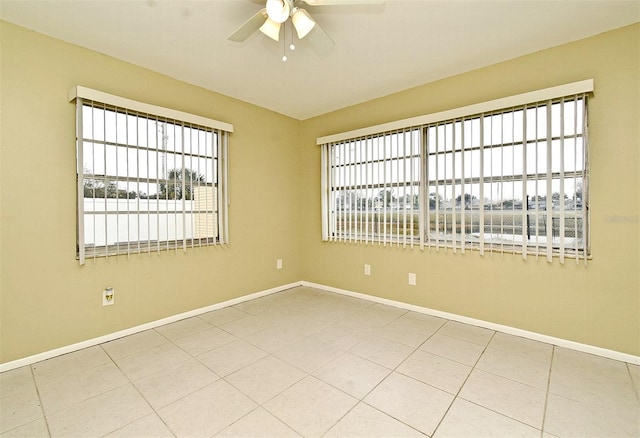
{"x":276,"y":13}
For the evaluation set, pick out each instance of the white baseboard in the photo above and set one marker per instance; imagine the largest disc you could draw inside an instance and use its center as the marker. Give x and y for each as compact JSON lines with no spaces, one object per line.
{"x":598,"y":351}
{"x":611,"y":354}
{"x":139,"y":328}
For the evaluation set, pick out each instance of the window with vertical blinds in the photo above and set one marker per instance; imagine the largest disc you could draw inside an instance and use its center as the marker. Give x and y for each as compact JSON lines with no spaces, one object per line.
{"x":509,"y":176}
{"x":374,"y":187}
{"x":149,"y":179}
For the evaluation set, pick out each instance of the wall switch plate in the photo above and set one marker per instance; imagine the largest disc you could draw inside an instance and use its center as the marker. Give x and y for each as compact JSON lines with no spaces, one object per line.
{"x":279,"y":264}
{"x":367,"y":269}
{"x":412,"y":279}
{"x":108,"y":296}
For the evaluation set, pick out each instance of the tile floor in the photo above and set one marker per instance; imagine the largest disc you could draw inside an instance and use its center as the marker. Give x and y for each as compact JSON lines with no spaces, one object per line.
{"x":304,"y":362}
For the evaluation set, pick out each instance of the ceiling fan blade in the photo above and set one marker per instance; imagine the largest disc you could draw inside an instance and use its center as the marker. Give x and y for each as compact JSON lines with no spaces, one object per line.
{"x":342,"y":2}
{"x":320,"y":41}
{"x":249,"y":27}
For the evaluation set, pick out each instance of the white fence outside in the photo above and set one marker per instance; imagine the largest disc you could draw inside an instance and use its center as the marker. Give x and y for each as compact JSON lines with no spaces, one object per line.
{"x":118,"y":221}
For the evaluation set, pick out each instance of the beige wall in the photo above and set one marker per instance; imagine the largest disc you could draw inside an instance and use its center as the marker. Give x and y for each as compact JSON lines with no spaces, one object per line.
{"x":598,"y":304}
{"x":47,"y":300}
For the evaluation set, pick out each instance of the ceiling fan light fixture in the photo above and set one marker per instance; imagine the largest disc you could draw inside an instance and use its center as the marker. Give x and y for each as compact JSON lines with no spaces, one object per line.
{"x":278,"y":10}
{"x":271,"y":29}
{"x":303,"y":22}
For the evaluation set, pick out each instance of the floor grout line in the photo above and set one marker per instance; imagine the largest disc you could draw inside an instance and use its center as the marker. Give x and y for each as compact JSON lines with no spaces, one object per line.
{"x":546,"y":397}
{"x":35,"y":384}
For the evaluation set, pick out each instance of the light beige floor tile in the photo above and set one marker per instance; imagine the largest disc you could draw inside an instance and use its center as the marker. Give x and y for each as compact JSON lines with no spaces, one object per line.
{"x":452,"y":348}
{"x":382,"y":313}
{"x":343,"y":338}
{"x":184,"y":327}
{"x":16,"y":381}
{"x":349,"y":305}
{"x":570,"y":418}
{"x":231,"y":357}
{"x":245,"y":326}
{"x":429,"y":322}
{"x":134,"y":344}
{"x":310,"y":407}
{"x":67,"y":391}
{"x":35,"y":429}
{"x":150,"y":426}
{"x":282,"y":320}
{"x":466,"y":419}
{"x":585,"y":377}
{"x":411,"y":329}
{"x":275,"y":338}
{"x":528,"y":348}
{"x":22,"y":406}
{"x":258,"y":424}
{"x":206,"y":340}
{"x":206,"y":411}
{"x":515,"y":367}
{"x":634,"y":371}
{"x":175,"y":382}
{"x":223,"y":316}
{"x":69,"y":364}
{"x":406,"y":331}
{"x":260,"y":305}
{"x":99,"y":415}
{"x":435,"y":370}
{"x":365,"y":421}
{"x":265,"y":378}
{"x":151,"y":360}
{"x":309,"y":354}
{"x":310,"y":330}
{"x":466,"y":332}
{"x":373,"y":317}
{"x":382,"y":351}
{"x":352,"y":374}
{"x":414,"y":403}
{"x":508,"y":397}
{"x":310,"y":323}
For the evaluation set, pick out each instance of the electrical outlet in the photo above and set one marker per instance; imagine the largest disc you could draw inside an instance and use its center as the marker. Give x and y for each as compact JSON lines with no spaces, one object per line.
{"x":367,"y":269}
{"x":412,"y":279}
{"x":108,"y":296}
{"x":279,"y":264}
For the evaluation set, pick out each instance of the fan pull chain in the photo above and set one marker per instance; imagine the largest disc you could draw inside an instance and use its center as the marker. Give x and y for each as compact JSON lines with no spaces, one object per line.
{"x":292,"y":46}
{"x":284,"y":43}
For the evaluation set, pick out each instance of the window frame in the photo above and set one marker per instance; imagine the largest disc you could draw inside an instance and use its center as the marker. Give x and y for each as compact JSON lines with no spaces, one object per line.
{"x":573,"y":91}
{"x":216,"y":137}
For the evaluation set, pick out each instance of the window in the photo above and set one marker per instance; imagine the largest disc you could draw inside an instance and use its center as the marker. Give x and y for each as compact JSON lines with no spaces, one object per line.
{"x":508,"y":175}
{"x":374,"y":188}
{"x":149,"y":179}
{"x":510,"y":181}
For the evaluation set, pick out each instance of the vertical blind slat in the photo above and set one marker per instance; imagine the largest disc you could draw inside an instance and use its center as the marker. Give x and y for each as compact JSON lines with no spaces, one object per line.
{"x":549,"y":208}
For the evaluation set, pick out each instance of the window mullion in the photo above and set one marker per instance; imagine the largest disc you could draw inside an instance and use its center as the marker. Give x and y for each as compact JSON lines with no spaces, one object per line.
{"x":549,"y":191}
{"x":585,"y":178}
{"x":561,"y":231}
{"x":525,"y":198}
{"x":106,"y":185}
{"x":463,"y":195}
{"x":453,"y":187}
{"x":80,"y":180}
{"x":481,"y":201}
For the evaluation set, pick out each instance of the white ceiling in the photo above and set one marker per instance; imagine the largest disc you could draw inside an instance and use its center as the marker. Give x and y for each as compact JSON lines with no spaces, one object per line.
{"x":380,"y":49}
